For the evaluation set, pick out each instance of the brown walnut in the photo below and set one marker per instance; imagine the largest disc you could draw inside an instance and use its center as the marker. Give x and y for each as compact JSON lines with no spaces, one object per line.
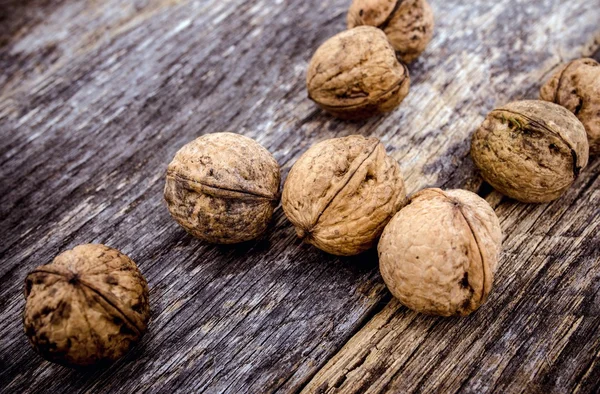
{"x":531,"y":151}
{"x":223,"y":188}
{"x":88,"y":306}
{"x":342,"y":192}
{"x":576,"y":86}
{"x":438,"y":255}
{"x":356,"y":74}
{"x":408,"y":24}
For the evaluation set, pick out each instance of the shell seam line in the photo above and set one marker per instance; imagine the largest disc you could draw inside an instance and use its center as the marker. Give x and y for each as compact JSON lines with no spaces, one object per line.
{"x":576,"y":168}
{"x":126,"y":318}
{"x":85,"y":316}
{"x":483,"y":265}
{"x":387,"y":21}
{"x":246,"y":192}
{"x":560,"y":81}
{"x":485,"y":273}
{"x":92,"y":288}
{"x":395,"y":86}
{"x":309,"y":231}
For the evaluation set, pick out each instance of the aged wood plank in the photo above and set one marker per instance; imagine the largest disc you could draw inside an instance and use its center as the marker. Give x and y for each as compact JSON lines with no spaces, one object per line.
{"x":96,"y":97}
{"x":539,"y":331}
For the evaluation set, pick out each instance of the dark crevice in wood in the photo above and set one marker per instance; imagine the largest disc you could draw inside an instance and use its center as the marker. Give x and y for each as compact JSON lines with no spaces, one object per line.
{"x":485,"y":189}
{"x":368,"y":316}
{"x":430,"y":329}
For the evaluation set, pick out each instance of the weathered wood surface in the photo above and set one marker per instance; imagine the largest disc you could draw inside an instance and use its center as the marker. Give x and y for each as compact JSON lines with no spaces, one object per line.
{"x":96,"y":97}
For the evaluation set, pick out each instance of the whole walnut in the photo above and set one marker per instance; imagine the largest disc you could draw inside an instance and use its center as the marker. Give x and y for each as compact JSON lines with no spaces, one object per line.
{"x":223,"y":188}
{"x":576,"y":86}
{"x":408,"y":24}
{"x":356,"y":74}
{"x":438,"y":255}
{"x":531,"y":151}
{"x":88,"y":306}
{"x":342,"y":192}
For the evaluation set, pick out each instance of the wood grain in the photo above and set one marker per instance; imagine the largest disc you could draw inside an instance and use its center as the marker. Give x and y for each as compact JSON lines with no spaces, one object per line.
{"x":538,"y":332}
{"x":95,"y":99}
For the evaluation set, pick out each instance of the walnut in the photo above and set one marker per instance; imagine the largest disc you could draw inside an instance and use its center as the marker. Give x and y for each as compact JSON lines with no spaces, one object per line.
{"x":408,"y":24}
{"x":341,"y":193}
{"x":223,"y":188}
{"x":576,"y":86}
{"x":88,"y":306}
{"x":438,"y":255}
{"x":531,"y":151}
{"x":356,"y":74}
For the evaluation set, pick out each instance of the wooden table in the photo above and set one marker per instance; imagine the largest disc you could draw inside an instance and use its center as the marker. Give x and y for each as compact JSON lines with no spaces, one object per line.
{"x":97,"y":96}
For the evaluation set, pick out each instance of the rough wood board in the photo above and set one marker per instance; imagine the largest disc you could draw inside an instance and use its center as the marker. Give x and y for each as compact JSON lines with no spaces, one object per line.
{"x":539,"y":331}
{"x":96,"y":97}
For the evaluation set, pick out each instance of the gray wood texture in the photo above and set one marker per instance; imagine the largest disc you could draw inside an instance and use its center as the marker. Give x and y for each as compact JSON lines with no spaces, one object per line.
{"x":97,"y":96}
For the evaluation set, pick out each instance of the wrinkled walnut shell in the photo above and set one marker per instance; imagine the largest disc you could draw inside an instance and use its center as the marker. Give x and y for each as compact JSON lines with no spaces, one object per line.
{"x":88,"y":306}
{"x":408,"y":24}
{"x":223,"y":188}
{"x":576,"y":86}
{"x":356,"y":74}
{"x":438,"y":255}
{"x":342,"y":192}
{"x":531,"y":151}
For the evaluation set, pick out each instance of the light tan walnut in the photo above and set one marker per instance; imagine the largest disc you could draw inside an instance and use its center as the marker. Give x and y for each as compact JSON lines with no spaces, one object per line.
{"x":223,"y":188}
{"x":576,"y":86}
{"x":356,"y":74}
{"x":88,"y":306}
{"x":531,"y":151}
{"x":408,"y":24}
{"x":438,"y":255}
{"x":342,"y":192}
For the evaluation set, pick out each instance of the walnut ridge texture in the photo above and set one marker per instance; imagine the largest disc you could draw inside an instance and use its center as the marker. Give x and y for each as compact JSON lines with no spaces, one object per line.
{"x":223,"y":188}
{"x":342,"y":192}
{"x":531,"y":151}
{"x":356,"y":74}
{"x":576,"y":86}
{"x":88,"y":306}
{"x":438,"y":255}
{"x":408,"y":24}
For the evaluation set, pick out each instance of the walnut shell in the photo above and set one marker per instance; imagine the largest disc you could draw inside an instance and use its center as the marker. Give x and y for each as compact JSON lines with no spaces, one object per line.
{"x":408,"y":24}
{"x":531,"y":151}
{"x":342,"y":192}
{"x":356,"y":74}
{"x":88,"y":306}
{"x":223,"y":188}
{"x":438,"y":255}
{"x":576,"y":86}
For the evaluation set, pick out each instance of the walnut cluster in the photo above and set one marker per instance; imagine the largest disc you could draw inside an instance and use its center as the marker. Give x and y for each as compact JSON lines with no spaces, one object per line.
{"x":531,"y":151}
{"x":576,"y":86}
{"x":408,"y":24}
{"x":438,"y":255}
{"x":361,"y":72}
{"x":88,"y":306}
{"x":342,"y":192}
{"x":223,"y":188}
{"x":356,"y":74}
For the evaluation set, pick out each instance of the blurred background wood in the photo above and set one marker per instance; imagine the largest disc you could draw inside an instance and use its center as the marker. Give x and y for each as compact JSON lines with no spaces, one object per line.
{"x":95,"y":99}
